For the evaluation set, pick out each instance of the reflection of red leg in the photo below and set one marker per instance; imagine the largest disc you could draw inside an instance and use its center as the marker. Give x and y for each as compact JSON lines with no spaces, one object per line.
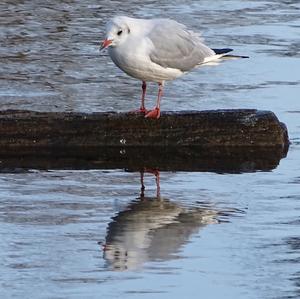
{"x":155,"y":113}
{"x":157,"y":180}
{"x":142,"y":184}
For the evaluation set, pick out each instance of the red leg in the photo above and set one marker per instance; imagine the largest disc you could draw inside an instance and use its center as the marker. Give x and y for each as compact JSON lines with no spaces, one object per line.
{"x":155,"y":113}
{"x":142,"y":108}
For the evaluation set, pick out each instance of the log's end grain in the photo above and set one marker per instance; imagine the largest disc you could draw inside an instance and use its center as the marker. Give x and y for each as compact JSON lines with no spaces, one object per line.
{"x":285,"y":137}
{"x":203,"y":140}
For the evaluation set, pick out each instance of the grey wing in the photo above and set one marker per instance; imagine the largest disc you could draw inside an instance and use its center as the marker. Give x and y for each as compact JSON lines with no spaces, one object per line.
{"x":176,"y":47}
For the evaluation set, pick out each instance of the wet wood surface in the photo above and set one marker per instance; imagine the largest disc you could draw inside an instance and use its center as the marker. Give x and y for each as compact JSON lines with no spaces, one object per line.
{"x":195,"y":140}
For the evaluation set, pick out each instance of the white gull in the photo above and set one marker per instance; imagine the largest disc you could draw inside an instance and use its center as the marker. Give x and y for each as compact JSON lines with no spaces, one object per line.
{"x":156,"y":50}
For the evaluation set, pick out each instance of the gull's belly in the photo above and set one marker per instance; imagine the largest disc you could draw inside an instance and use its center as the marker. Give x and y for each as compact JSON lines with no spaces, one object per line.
{"x":141,"y":67}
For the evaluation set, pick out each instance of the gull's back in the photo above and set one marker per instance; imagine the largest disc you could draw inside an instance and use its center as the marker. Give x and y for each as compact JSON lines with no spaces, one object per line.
{"x":176,"y":47}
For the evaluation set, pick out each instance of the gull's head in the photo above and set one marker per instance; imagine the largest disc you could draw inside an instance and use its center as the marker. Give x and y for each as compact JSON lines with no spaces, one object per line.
{"x":117,"y":31}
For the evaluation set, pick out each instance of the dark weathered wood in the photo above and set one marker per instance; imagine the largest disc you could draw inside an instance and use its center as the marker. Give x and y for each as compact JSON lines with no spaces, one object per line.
{"x":219,"y":128}
{"x":220,"y":140}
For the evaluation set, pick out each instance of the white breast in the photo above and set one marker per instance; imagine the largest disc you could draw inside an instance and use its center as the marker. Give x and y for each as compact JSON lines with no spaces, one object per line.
{"x":133,"y":59}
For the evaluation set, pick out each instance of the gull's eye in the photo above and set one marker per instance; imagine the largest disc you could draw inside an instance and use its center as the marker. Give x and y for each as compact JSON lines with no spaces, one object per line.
{"x":119,"y":32}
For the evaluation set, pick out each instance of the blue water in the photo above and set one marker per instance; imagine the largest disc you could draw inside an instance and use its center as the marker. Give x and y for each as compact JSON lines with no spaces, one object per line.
{"x":209,"y":235}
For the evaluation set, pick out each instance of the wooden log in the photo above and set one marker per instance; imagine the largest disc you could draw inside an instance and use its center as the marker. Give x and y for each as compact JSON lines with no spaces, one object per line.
{"x":197,"y":140}
{"x":219,"y":128}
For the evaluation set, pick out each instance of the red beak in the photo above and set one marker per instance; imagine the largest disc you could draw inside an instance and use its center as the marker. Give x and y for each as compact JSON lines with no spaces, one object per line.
{"x":106,"y":43}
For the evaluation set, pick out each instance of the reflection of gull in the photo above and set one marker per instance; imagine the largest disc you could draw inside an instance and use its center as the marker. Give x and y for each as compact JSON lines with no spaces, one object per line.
{"x":151,"y":229}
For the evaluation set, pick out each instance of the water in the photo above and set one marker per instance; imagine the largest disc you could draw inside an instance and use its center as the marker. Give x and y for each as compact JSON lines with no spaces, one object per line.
{"x":87,"y":233}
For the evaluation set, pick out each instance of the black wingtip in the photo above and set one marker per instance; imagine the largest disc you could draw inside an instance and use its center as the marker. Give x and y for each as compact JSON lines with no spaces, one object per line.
{"x":222,"y":51}
{"x":235,"y":56}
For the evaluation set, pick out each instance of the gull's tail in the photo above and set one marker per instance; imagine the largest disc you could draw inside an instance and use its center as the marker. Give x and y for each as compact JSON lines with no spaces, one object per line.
{"x":219,"y":55}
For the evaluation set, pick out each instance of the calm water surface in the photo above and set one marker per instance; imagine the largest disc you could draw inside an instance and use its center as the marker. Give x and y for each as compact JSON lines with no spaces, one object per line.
{"x":88,"y":234}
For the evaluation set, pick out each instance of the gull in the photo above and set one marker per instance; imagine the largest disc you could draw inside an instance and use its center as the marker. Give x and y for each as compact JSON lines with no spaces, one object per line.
{"x":156,"y":50}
